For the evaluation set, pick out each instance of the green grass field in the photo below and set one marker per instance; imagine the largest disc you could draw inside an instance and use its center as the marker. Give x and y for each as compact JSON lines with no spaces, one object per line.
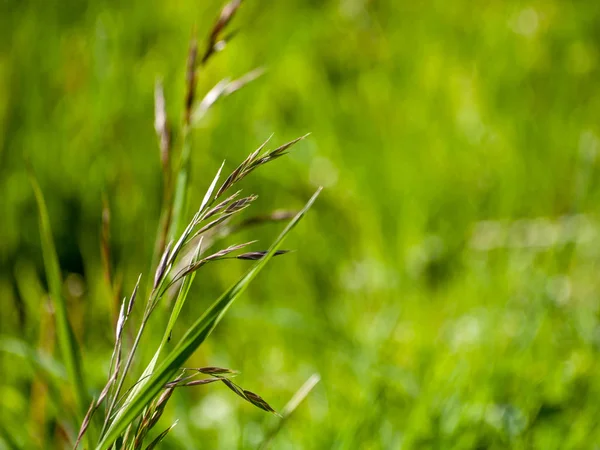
{"x":445,"y":283}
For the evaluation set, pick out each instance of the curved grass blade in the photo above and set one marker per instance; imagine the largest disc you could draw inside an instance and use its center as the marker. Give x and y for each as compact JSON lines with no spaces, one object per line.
{"x":194,"y":337}
{"x":68,"y":345}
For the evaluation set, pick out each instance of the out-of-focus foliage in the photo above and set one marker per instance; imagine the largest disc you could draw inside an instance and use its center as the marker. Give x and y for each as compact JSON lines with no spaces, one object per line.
{"x":445,"y":284}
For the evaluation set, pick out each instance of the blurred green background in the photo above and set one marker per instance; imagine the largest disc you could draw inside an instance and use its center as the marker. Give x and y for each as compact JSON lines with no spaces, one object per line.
{"x":445,"y":285}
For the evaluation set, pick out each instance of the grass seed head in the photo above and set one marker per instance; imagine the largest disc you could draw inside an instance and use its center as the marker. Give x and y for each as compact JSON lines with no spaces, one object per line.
{"x":215,"y":40}
{"x":255,"y":256}
{"x":162,"y":265}
{"x":161,"y":125}
{"x":191,"y":79}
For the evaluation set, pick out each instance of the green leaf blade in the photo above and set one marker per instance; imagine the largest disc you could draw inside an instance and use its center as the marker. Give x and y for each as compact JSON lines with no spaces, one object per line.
{"x":68,"y":345}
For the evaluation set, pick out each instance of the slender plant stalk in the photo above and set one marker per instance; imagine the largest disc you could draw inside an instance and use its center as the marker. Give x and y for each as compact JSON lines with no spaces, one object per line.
{"x":195,"y":336}
{"x":183,"y":174}
{"x":128,"y":363}
{"x":290,"y":407}
{"x":180,"y":251}
{"x":67,"y":342}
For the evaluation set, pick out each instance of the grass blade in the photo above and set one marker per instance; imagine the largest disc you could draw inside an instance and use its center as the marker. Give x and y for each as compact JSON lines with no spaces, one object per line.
{"x":290,"y":407}
{"x":68,"y":345}
{"x":194,"y":337}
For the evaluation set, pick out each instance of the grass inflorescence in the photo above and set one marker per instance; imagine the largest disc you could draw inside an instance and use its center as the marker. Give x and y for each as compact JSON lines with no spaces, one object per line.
{"x":133,"y":404}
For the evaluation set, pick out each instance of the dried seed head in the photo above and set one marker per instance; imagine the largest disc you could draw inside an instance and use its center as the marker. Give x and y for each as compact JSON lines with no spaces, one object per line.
{"x":164,"y":397}
{"x":191,"y":79}
{"x":160,"y":124}
{"x":120,"y":321}
{"x":254,"y":256}
{"x":274,"y":154}
{"x":215,"y":43}
{"x":133,"y":295}
{"x":252,"y":156}
{"x":162,"y":265}
{"x":236,"y":175}
{"x":179,"y":245}
{"x":183,"y":382}
{"x":249,"y":396}
{"x":200,"y":382}
{"x":109,"y":384}
{"x":155,"y":411}
{"x":85,"y":423}
{"x":258,"y":401}
{"x":225,"y":17}
{"x":252,"y":162}
{"x":284,"y":147}
{"x":232,"y":178}
{"x":216,"y":371}
{"x":215,"y":256}
{"x":217,"y":209}
{"x":228,"y":250}
{"x":235,"y":388}
{"x":212,"y":224}
{"x":240,"y":204}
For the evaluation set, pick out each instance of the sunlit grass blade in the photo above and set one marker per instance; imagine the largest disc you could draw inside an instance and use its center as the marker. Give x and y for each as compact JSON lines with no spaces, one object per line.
{"x":67,"y":343}
{"x":291,"y":406}
{"x":194,"y":337}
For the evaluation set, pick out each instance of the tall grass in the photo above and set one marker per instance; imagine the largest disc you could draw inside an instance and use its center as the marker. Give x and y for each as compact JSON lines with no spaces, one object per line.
{"x":460,"y":150}
{"x":133,"y":403}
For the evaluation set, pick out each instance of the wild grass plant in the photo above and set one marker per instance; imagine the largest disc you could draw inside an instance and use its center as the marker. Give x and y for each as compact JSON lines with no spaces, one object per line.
{"x":447,"y":289}
{"x":124,"y":413}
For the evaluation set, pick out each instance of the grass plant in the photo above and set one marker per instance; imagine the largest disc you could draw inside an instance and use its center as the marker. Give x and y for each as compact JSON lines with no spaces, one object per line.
{"x":132,"y":404}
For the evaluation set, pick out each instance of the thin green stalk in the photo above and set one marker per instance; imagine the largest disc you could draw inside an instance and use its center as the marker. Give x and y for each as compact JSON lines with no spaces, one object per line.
{"x":67,"y":342}
{"x":181,"y":187}
{"x":147,"y":313}
{"x":195,"y":336}
{"x":290,"y":407}
{"x":183,"y":172}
